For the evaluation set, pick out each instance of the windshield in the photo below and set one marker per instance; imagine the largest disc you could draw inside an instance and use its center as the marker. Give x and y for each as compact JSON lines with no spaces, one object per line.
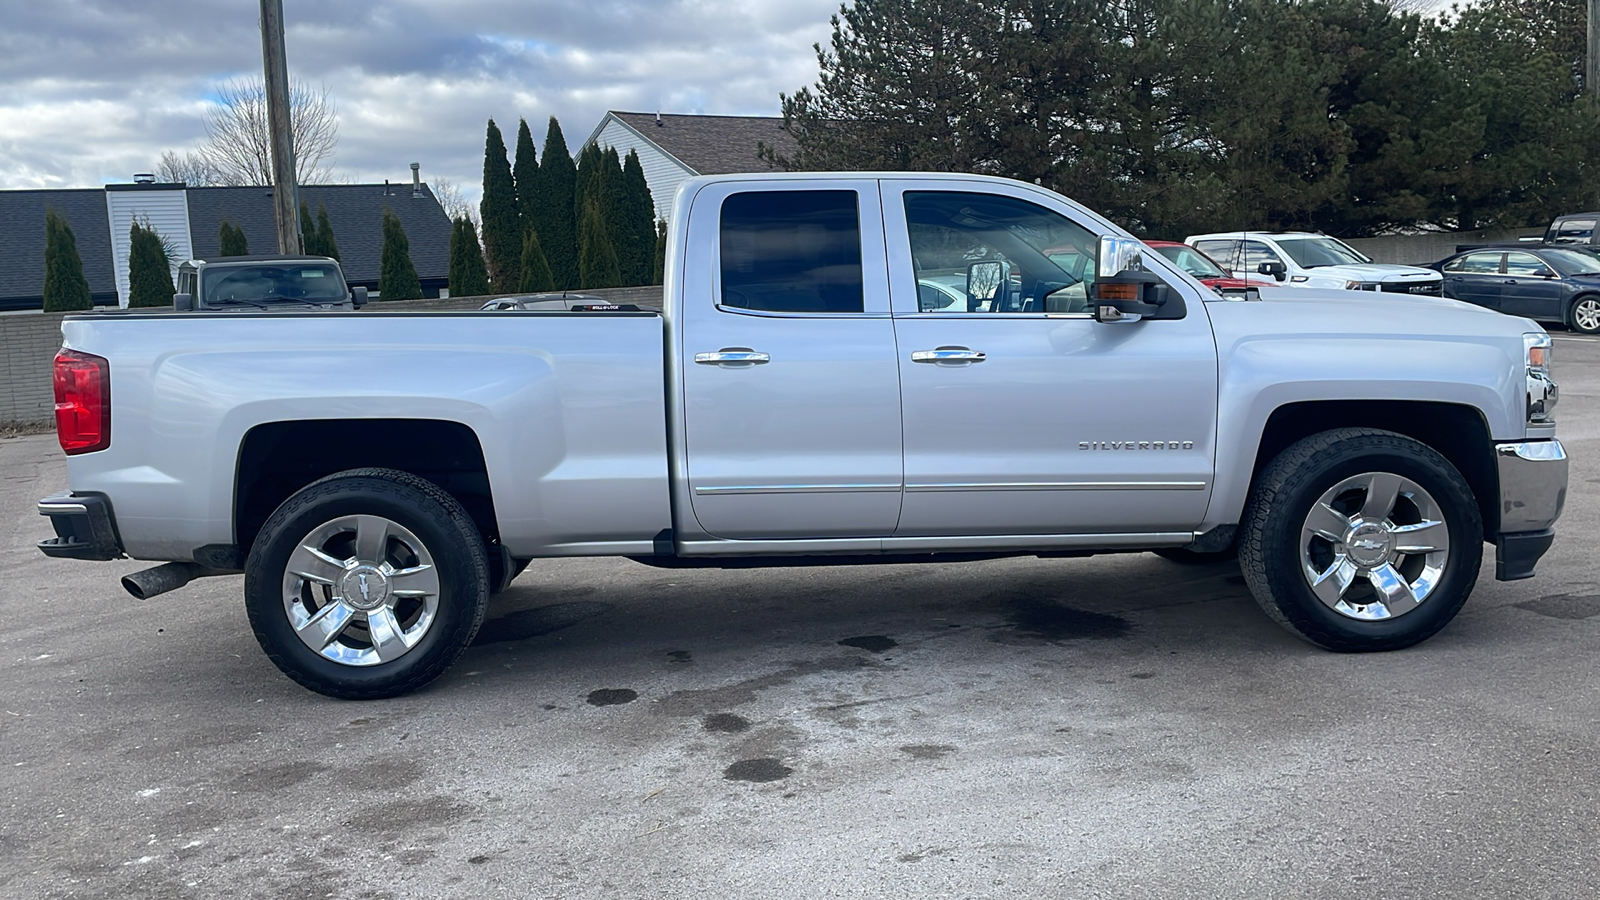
{"x":1192,"y":261}
{"x":1311,"y":252}
{"x":1573,"y":262}
{"x":313,"y":282}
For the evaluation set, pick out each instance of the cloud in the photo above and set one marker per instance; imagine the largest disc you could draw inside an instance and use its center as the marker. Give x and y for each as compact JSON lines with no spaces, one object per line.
{"x":92,"y":92}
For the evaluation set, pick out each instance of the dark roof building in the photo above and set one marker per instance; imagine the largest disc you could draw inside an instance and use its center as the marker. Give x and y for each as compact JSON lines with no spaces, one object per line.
{"x":673,"y":148}
{"x":190,"y":220}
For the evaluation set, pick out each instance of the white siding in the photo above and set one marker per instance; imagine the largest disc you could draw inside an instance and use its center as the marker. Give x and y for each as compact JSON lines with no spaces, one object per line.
{"x":166,"y":210}
{"x":661,"y":172}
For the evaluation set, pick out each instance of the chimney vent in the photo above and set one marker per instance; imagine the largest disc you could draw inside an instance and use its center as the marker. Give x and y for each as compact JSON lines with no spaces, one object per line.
{"x":658,"y":118}
{"x":144,"y":178}
{"x":416,"y":181}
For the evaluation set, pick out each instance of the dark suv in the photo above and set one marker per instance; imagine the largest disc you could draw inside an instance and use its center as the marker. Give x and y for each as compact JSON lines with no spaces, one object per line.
{"x":265,"y":282}
{"x":1577,"y":228}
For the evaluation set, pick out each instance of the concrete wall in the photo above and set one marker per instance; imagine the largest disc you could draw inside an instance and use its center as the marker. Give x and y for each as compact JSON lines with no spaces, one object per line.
{"x":29,"y":341}
{"x":1420,"y":249}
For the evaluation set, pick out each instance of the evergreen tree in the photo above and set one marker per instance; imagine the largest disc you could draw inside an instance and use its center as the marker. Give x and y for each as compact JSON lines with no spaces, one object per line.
{"x":535,"y":270}
{"x":326,"y":245}
{"x":397,"y":279}
{"x":526,"y":175}
{"x":638,"y":223}
{"x":597,"y":260}
{"x":660,"y":276}
{"x":309,"y":244}
{"x":468,"y":276}
{"x":614,"y":213}
{"x":553,"y":208}
{"x":588,"y":186}
{"x":149,"y":269}
{"x":65,"y":288}
{"x":502,"y":232}
{"x":231,"y":240}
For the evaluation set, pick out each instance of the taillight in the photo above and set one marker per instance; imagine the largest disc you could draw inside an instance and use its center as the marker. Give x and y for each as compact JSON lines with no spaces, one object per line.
{"x":83,"y":402}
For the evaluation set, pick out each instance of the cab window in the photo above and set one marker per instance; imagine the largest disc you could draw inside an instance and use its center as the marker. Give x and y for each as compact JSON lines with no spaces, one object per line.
{"x":792,"y":251}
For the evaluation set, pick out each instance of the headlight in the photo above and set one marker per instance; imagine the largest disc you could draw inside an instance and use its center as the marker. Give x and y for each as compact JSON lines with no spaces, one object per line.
{"x":1359,"y":286}
{"x":1542,"y":390}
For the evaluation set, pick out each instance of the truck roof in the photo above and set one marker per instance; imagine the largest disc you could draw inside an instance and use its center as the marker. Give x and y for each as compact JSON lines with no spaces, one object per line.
{"x":264,"y":257}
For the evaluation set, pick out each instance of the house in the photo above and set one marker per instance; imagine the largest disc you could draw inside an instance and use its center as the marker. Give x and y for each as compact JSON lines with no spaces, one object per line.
{"x":189,"y":220}
{"x":673,"y":148}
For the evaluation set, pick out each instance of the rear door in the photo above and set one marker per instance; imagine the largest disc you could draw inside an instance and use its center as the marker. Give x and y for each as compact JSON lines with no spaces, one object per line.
{"x":1475,"y":278}
{"x":791,"y":398}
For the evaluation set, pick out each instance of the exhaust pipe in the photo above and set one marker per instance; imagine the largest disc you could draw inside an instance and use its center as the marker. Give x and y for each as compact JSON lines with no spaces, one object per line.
{"x":167,"y":577}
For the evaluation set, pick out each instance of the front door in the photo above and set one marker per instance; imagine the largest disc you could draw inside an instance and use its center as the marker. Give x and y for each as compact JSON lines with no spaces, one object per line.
{"x":791,"y":399}
{"x":1023,"y":415}
{"x":1531,"y":288}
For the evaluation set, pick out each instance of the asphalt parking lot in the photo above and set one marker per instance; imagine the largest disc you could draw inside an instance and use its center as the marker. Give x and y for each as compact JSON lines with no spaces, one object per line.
{"x":1119,"y":726}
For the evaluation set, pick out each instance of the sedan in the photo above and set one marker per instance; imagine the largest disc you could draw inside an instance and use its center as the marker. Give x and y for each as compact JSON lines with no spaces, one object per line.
{"x":1548,"y":284}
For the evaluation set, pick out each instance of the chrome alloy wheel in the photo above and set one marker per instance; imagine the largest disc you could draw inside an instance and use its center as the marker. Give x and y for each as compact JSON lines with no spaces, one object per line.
{"x":1374,"y":546}
{"x":1586,"y":315}
{"x":361,"y":590}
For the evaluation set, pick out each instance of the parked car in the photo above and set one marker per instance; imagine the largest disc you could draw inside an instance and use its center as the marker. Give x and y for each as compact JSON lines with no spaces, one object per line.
{"x":1546,"y":284}
{"x":1304,"y":259}
{"x":1204,"y":268}
{"x":1576,"y":228}
{"x":265,"y":282}
{"x":378,"y":477}
{"x":528,"y":302}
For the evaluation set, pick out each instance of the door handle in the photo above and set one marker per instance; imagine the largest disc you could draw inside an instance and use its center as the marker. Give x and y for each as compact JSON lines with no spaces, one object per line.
{"x":948,"y":355}
{"x":1510,"y":281}
{"x":736,"y":357}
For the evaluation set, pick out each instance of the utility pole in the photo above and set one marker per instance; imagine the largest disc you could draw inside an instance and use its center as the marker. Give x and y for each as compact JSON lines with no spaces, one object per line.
{"x":285,"y":192}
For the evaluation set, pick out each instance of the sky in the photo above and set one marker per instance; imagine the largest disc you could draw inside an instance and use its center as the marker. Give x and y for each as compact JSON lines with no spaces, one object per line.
{"x":93,"y":91}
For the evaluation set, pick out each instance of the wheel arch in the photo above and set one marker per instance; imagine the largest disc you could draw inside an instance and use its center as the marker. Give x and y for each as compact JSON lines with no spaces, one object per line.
{"x":1458,"y":432}
{"x":276,"y":459}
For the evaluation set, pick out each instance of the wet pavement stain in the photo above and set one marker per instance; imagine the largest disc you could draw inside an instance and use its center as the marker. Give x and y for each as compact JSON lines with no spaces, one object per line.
{"x":725,"y":723}
{"x":1564,"y":606}
{"x":872,"y":643}
{"x":1142,"y":675}
{"x":1045,"y":621}
{"x":528,"y":623}
{"x":680,"y":657}
{"x":761,"y":769}
{"x":928,"y":751}
{"x":612,"y":696}
{"x":698,"y":702}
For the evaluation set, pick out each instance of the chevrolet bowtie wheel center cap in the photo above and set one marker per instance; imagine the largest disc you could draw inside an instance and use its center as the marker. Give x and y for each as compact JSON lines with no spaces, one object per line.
{"x":365,"y":587}
{"x":1369,"y":544}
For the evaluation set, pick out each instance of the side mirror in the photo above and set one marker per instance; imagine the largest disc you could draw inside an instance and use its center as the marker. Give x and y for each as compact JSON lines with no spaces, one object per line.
{"x":1276,"y":269}
{"x":183,"y":302}
{"x":358,"y":297}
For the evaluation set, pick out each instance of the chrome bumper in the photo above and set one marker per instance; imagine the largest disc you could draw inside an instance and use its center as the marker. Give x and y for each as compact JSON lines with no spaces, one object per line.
{"x":1533,"y":490}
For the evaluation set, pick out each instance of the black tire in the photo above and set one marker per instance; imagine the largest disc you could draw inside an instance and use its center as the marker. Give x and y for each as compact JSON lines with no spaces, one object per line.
{"x":1592,"y":303}
{"x":423,"y":512}
{"x":1188,"y":557}
{"x":1272,"y":542}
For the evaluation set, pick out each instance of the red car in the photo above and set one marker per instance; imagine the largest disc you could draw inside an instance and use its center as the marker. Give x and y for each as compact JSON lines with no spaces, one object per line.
{"x":1204,"y":267}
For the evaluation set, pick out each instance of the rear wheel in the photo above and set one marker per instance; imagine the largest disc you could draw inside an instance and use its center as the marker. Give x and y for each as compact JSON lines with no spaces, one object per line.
{"x":1358,"y":539}
{"x":1585,"y":315}
{"x":366,"y":584}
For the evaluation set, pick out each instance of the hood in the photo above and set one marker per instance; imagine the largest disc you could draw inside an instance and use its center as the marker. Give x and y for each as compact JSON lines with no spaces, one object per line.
{"x":1374,"y":272}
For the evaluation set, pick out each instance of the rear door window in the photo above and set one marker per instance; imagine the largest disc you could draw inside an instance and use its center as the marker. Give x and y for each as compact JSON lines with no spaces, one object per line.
{"x":792,"y":251}
{"x":1475,"y":264}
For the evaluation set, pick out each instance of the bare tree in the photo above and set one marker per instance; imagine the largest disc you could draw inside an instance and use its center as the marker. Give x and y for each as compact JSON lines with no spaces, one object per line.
{"x":449,"y":197}
{"x":237,"y":147}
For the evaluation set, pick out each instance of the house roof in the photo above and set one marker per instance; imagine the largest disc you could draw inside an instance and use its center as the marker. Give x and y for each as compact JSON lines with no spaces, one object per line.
{"x":22,"y":239}
{"x":712,"y":145}
{"x":355,"y":211}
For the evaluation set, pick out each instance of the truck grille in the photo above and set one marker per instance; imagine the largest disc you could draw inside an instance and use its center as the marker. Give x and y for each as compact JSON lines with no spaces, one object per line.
{"x":1427,"y":288}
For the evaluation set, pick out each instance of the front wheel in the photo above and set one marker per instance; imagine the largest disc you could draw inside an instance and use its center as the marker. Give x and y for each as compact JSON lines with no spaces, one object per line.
{"x":1585,"y":315}
{"x":1358,"y":540}
{"x":368,"y":583}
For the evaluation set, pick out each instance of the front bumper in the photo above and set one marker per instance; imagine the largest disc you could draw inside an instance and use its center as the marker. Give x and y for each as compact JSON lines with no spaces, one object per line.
{"x":85,"y":527}
{"x":1533,"y":490}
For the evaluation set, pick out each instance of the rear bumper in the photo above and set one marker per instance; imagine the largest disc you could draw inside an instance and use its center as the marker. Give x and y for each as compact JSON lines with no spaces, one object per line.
{"x":85,"y":527}
{"x":1533,"y":490}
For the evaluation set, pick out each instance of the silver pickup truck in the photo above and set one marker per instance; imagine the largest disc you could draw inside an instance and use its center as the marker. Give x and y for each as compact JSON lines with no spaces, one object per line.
{"x":895,"y":366}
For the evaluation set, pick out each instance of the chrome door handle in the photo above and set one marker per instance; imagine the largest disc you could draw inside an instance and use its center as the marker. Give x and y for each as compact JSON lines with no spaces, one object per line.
{"x":733,"y":356}
{"x":948,"y":355}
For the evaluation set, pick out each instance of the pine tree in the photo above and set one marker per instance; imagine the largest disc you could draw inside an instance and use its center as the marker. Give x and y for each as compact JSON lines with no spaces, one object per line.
{"x":326,"y":245}
{"x":638,"y":223}
{"x":535,"y":270}
{"x":660,"y":276}
{"x":526,"y":175}
{"x":149,"y":269}
{"x":309,"y":244}
{"x":231,"y":240}
{"x":553,"y":208}
{"x":502,"y":233}
{"x":614,"y":213}
{"x":597,"y":259}
{"x":468,"y":277}
{"x":65,"y":288}
{"x":397,"y":279}
{"x":587,"y":187}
